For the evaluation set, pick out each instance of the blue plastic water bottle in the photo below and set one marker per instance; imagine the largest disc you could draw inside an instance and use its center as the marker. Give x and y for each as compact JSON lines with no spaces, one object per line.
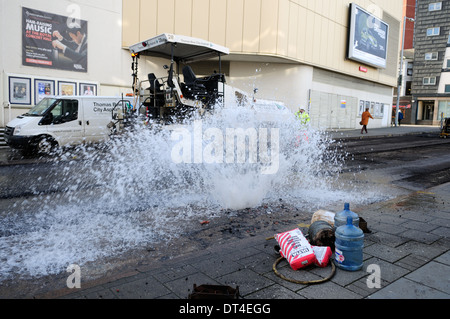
{"x":340,"y":218}
{"x":349,"y":245}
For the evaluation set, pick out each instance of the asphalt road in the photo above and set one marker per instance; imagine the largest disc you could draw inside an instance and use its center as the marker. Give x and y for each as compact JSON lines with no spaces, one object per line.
{"x":413,"y":161}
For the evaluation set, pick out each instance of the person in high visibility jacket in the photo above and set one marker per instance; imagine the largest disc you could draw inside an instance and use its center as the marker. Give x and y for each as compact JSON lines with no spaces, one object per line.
{"x":303,"y":116}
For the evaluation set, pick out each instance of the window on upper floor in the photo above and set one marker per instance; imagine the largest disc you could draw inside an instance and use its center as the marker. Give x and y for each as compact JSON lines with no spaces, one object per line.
{"x":447,"y":88}
{"x":409,"y":69}
{"x":431,"y":56}
{"x":435,"y":6}
{"x":429,"y":81}
{"x":448,"y":63}
{"x":433,"y":31}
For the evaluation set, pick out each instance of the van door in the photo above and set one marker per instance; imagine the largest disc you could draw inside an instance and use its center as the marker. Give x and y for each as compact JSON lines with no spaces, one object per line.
{"x":64,"y":122}
{"x":97,"y":116}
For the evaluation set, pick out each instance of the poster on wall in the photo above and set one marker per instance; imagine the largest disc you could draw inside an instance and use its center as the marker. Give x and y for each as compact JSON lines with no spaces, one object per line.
{"x":361,"y":107}
{"x":88,"y":89}
{"x":67,"y":88}
{"x":43,"y":88}
{"x":19,"y":90}
{"x":53,"y":41}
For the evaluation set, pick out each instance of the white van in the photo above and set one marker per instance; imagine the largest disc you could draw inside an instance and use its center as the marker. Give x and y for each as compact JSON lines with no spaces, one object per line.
{"x":63,"y":121}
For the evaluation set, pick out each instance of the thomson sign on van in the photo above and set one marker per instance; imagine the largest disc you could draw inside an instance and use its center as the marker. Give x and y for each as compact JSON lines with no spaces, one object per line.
{"x":63,"y":121}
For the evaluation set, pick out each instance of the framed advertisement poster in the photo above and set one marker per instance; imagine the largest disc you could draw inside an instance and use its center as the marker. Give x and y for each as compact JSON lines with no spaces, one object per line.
{"x":361,"y":107}
{"x":67,"y":88}
{"x":54,"y":41}
{"x":43,"y":88}
{"x":88,"y":89}
{"x":19,"y":90}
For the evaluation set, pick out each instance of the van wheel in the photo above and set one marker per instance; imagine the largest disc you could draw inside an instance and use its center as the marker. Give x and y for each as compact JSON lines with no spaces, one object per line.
{"x":45,"y":145}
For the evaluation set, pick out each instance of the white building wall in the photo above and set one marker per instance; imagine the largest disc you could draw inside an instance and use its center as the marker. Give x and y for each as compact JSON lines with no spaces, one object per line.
{"x":289,"y":83}
{"x":332,"y":103}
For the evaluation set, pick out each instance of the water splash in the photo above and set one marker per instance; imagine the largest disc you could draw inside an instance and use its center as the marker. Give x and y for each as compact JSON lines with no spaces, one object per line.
{"x":132,"y":191}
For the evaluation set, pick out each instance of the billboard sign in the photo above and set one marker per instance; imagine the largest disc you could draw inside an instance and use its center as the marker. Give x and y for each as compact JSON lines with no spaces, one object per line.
{"x":368,"y":38}
{"x":53,"y":41}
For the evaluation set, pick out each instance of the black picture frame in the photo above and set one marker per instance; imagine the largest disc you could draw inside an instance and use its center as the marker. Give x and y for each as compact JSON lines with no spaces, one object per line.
{"x":19,"y":89}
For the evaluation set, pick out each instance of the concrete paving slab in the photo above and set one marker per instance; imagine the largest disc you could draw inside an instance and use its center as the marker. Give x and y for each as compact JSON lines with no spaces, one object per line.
{"x":387,"y":239}
{"x":420,"y":249}
{"x":182,"y":287}
{"x":420,"y":236}
{"x":412,"y":262}
{"x":444,"y":258}
{"x":389,"y":272}
{"x":247,"y":280}
{"x":420,"y":226}
{"x":275,"y":292}
{"x":441,"y":232}
{"x":344,"y":278}
{"x":217,"y":266}
{"x":328,"y":290}
{"x":387,"y":253}
{"x":146,"y":288}
{"x":408,"y":289}
{"x":434,"y":275}
{"x":175,"y":272}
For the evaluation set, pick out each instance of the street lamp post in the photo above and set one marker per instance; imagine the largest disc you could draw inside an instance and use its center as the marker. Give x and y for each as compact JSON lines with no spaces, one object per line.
{"x":400,"y":75}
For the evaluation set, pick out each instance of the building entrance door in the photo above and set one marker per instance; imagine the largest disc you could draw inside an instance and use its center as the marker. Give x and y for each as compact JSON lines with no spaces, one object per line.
{"x":428,"y":110}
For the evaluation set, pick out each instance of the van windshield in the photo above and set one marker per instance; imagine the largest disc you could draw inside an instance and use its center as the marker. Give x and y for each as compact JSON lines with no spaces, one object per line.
{"x":41,"y":107}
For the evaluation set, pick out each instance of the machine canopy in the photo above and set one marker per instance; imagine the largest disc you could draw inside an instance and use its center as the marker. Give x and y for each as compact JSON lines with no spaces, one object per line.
{"x":180,"y":48}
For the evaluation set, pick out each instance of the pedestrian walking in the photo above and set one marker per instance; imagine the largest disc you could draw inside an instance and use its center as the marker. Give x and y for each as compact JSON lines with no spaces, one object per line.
{"x":400,"y":117}
{"x":365,"y":120}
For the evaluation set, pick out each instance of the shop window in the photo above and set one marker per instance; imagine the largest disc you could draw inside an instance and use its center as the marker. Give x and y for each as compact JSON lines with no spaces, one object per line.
{"x":444,"y":109}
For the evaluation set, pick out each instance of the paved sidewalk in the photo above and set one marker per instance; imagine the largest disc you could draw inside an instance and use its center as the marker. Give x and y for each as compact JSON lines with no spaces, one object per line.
{"x":408,"y":247}
{"x":385,"y":131}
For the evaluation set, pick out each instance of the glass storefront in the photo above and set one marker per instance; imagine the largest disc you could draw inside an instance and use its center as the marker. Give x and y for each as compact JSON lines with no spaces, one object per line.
{"x":444,"y":109}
